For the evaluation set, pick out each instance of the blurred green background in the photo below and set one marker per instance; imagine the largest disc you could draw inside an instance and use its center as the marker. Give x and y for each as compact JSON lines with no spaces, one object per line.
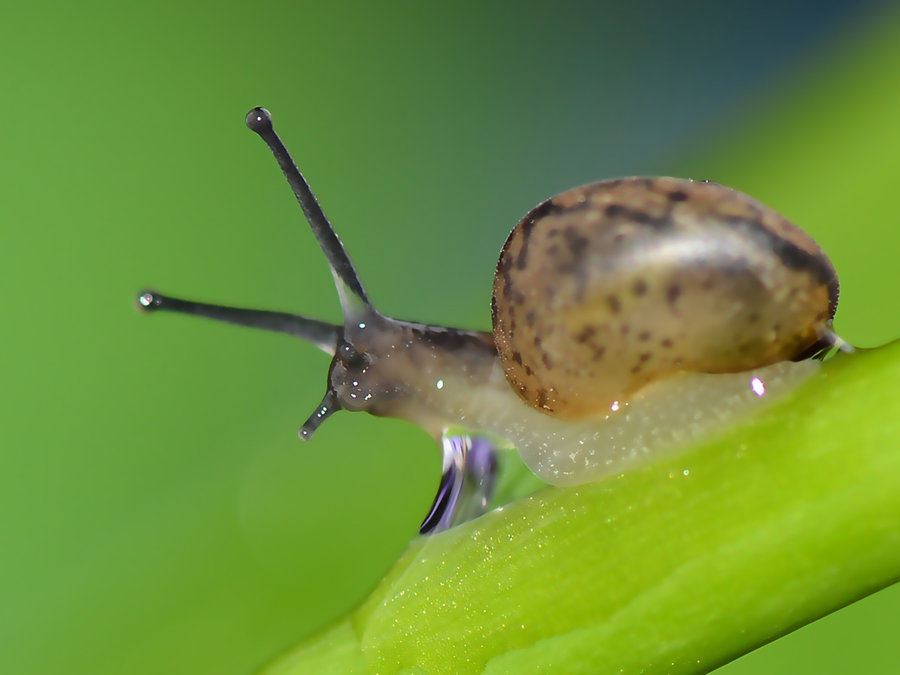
{"x":157,"y":512}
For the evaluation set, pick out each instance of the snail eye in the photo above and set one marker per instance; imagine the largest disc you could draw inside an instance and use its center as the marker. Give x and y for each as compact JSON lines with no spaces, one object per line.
{"x":349,"y":356}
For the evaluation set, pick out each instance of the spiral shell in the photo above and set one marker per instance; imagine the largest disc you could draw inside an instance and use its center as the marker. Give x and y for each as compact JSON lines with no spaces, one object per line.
{"x":609,"y":287}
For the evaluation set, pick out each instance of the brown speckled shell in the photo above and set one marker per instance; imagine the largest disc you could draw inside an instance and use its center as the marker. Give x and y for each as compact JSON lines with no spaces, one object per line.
{"x":608,"y":287}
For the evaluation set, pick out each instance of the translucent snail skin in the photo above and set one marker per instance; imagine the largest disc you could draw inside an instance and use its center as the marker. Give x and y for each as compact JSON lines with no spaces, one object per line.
{"x":630,"y":317}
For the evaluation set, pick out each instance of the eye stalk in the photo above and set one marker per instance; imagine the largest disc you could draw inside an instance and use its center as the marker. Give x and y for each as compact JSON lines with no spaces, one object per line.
{"x":326,"y":409}
{"x":354,"y":301}
{"x":322,"y":334}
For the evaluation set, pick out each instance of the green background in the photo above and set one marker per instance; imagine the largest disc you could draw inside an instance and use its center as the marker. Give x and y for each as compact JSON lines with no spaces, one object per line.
{"x":157,"y":512}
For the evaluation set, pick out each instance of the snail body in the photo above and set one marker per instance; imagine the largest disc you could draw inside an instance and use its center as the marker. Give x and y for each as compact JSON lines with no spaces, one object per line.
{"x":629,"y":317}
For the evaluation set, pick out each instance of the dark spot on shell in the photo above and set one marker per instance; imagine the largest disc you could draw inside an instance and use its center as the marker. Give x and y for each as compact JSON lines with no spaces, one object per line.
{"x":614,"y":305}
{"x":640,"y":287}
{"x":573,"y":264}
{"x":504,"y":264}
{"x":666,"y":342}
{"x":552,"y":208}
{"x":625,"y":329}
{"x":585,"y":334}
{"x":517,"y":357}
{"x":678,"y":196}
{"x":814,"y":263}
{"x":530,"y":317}
{"x":542,"y":398}
{"x":796,"y":258}
{"x":644,"y":336}
{"x":527,"y":225}
{"x":645,"y":218}
{"x":598,"y":351}
{"x":506,"y":291}
{"x":672,"y":294}
{"x":636,"y":369}
{"x":545,"y":358}
{"x":529,"y":371}
{"x":576,"y":242}
{"x":543,"y":209}
{"x":637,"y":216}
{"x":646,"y":356}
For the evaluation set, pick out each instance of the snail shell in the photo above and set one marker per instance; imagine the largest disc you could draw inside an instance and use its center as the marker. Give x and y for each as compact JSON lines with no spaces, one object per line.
{"x":607,"y":288}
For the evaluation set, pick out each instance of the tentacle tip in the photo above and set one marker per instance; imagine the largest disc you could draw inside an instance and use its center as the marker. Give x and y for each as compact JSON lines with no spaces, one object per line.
{"x":149,"y":300}
{"x":259,"y":120}
{"x":326,"y":409}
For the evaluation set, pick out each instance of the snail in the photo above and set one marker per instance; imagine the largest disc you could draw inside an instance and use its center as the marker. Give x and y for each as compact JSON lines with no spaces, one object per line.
{"x":630,"y":316}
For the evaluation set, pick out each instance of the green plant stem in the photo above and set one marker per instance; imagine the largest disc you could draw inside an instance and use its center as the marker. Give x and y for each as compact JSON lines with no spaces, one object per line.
{"x":677,"y":567}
